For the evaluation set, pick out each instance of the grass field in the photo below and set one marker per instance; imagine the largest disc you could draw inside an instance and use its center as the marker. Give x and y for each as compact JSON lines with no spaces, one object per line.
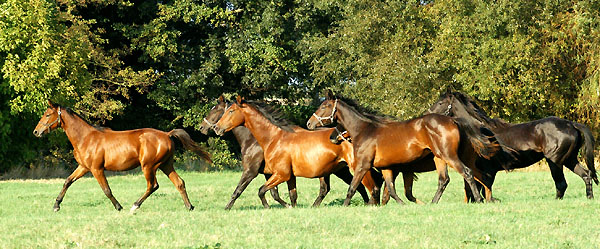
{"x":527,"y":217}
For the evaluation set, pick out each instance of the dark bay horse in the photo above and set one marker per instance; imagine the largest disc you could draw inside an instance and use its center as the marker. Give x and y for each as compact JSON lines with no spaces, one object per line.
{"x":253,"y":160}
{"x":383,"y":143}
{"x":97,"y":149}
{"x":291,"y":152}
{"x":555,"y":139}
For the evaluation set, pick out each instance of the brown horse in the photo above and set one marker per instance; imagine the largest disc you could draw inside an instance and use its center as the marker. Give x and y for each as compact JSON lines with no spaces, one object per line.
{"x":291,"y":152}
{"x":253,"y":160}
{"x":97,"y":149}
{"x":383,"y":143}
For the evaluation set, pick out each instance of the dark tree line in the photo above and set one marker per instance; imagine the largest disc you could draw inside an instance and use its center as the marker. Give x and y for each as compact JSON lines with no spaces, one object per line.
{"x":161,"y":64}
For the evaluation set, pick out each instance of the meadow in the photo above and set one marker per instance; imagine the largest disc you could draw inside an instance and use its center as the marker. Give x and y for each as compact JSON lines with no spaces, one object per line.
{"x":528,"y":216}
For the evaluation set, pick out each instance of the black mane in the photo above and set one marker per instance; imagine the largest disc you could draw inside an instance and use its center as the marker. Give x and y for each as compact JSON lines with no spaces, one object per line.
{"x":273,"y":114}
{"x":477,"y":112}
{"x":368,"y":113}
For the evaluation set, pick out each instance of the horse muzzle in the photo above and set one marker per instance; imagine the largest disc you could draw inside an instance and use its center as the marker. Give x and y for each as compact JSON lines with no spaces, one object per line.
{"x":219,"y":131}
{"x":38,"y":133}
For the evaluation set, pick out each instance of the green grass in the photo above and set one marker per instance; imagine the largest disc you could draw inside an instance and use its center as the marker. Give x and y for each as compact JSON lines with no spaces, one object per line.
{"x":527,"y":217}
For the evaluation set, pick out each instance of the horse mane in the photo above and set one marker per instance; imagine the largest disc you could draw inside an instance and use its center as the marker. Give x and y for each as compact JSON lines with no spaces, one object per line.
{"x":273,"y":114}
{"x":71,"y":112}
{"x":368,"y":113}
{"x":477,"y":112}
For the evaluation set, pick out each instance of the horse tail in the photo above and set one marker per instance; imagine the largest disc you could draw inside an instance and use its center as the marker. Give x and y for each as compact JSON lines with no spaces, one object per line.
{"x":588,"y":148}
{"x":189,"y":144}
{"x":484,"y":145}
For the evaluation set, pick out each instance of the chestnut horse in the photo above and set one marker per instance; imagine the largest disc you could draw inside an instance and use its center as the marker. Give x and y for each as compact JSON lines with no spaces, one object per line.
{"x":97,"y":149}
{"x":291,"y":152}
{"x":253,"y":159}
{"x":408,"y":171}
{"x":386,"y":144}
{"x":557,"y":140}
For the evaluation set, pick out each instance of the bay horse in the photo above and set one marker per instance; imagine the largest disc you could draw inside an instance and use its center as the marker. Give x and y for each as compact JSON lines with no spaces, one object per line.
{"x":97,"y":149}
{"x":253,"y":160}
{"x":289,"y":153}
{"x":408,"y":171}
{"x":555,"y":139}
{"x":385,"y":144}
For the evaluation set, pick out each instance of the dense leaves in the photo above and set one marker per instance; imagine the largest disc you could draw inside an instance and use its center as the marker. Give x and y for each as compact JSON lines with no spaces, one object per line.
{"x":161,"y":64}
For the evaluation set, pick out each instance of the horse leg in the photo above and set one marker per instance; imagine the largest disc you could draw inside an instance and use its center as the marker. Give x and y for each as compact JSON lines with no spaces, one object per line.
{"x":388,"y":176}
{"x":275,"y":193}
{"x":559,"y":178}
{"x":323,"y":190}
{"x":361,"y":169}
{"x":292,"y":190}
{"x":386,"y":192}
{"x":408,"y":183}
{"x":272,"y":182}
{"x":375,"y":180}
{"x":467,"y":174}
{"x":168,"y":169}
{"x":584,"y":173}
{"x":101,"y":178}
{"x":346,"y":176}
{"x":443,"y":179}
{"x":152,"y":185}
{"x":247,"y":176}
{"x":78,"y":173}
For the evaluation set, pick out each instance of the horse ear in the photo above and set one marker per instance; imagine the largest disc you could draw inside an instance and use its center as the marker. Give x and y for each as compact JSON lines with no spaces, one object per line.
{"x":221,"y":99}
{"x":240,"y":100}
{"x":51,"y":104}
{"x":329,"y":94}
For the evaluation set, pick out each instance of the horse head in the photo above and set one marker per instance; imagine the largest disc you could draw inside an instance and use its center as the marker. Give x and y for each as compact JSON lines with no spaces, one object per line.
{"x":50,"y":120}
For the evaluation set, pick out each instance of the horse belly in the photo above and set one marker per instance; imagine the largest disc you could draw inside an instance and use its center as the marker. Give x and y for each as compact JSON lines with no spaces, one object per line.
{"x":121,"y":160}
{"x":384,"y":158}
{"x":314,"y":163}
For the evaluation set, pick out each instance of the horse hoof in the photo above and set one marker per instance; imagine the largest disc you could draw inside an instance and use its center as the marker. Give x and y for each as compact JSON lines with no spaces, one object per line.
{"x":133,"y":209}
{"x":56,"y":209}
{"x":191,"y":208}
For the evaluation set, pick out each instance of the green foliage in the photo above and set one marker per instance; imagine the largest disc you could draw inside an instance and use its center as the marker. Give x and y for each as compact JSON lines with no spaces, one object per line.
{"x":132,"y":64}
{"x":223,"y":158}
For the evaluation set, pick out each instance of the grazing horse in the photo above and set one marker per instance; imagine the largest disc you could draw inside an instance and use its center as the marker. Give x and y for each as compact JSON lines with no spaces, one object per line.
{"x":386,"y":144}
{"x":253,"y":159}
{"x":291,"y":152}
{"x":97,"y":149}
{"x":556,"y":139}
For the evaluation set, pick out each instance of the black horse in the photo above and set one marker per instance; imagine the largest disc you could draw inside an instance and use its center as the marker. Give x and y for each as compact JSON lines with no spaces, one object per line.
{"x":556,"y":139}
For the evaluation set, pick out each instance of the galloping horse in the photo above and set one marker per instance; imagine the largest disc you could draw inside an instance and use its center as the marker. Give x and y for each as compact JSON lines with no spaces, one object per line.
{"x":253,"y":159}
{"x":97,"y":149}
{"x":556,"y":139}
{"x":291,"y":152}
{"x":408,"y":171}
{"x":383,"y":143}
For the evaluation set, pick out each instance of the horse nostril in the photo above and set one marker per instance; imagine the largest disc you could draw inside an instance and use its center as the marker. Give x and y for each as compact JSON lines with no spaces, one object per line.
{"x":35,"y":133}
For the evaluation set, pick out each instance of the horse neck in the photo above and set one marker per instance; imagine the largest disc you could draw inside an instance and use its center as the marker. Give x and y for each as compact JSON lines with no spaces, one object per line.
{"x":261,"y":128}
{"x":242,"y":135}
{"x":353,"y":121}
{"x":488,"y":122}
{"x":75,"y":128}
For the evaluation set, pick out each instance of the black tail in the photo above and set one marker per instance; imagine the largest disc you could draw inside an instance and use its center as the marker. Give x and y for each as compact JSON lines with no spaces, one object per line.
{"x":484,"y":145}
{"x":189,"y":144}
{"x":588,"y":149}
